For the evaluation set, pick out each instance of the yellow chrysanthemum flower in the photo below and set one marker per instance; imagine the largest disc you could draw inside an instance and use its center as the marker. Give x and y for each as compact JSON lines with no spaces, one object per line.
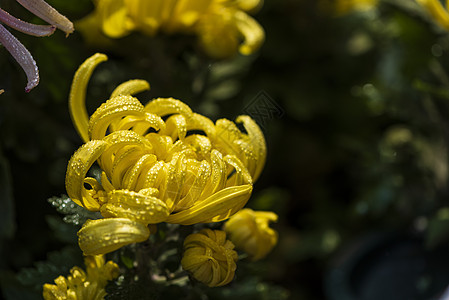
{"x":160,"y":163}
{"x":82,"y":286}
{"x":222,"y":26}
{"x":250,"y":232}
{"x":209,"y":257}
{"x":438,"y":12}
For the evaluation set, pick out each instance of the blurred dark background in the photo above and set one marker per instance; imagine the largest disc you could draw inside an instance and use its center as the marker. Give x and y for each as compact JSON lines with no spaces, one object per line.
{"x":354,"y":108}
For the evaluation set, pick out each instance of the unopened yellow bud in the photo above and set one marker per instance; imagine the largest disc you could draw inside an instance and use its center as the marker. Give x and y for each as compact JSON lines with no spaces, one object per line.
{"x":209,"y":257}
{"x":250,"y":232}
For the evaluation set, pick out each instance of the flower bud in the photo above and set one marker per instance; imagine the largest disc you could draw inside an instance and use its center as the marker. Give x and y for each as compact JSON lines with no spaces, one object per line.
{"x":209,"y":257}
{"x":250,"y":232}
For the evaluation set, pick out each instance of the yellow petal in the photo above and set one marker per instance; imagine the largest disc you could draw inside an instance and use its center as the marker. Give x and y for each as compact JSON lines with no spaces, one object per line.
{"x":198,"y":122}
{"x":176,"y":127}
{"x":135,"y":206}
{"x":77,"y":98}
{"x":218,"y":175}
{"x":215,"y":208}
{"x":437,"y":10}
{"x":138,"y":171}
{"x":113,"y":110}
{"x":251,"y":31}
{"x":250,"y":5}
{"x":106,"y":235}
{"x":131,"y":87}
{"x":167,"y":106}
{"x":114,"y":17}
{"x":257,"y":141}
{"x":77,"y":169}
{"x":201,"y":172}
{"x":241,"y":174}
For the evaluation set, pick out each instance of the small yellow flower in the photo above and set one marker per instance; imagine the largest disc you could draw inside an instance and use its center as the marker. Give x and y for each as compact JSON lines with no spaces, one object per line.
{"x":209,"y":257}
{"x":81,"y":286}
{"x":250,"y":232}
{"x":155,"y":170}
{"x":223,"y":26}
{"x":438,"y":12}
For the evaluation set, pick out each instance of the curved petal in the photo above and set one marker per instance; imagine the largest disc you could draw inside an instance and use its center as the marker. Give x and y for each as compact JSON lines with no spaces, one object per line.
{"x":257,"y":141}
{"x":251,"y":31}
{"x":25,"y":27}
{"x":77,"y":169}
{"x":47,"y":13}
{"x":240,"y":175}
{"x":112,"y":111}
{"x":135,"y":206}
{"x":131,"y":87}
{"x":77,"y":98}
{"x":167,"y":106}
{"x":106,"y":235}
{"x":215,"y":208}
{"x":22,"y":56}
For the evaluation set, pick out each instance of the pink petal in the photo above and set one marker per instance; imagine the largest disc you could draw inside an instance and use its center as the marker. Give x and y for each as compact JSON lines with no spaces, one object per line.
{"x":22,"y":56}
{"x":25,"y":27}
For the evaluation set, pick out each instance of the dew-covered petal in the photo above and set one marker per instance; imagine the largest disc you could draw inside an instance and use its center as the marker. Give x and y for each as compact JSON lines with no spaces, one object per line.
{"x":135,"y":206}
{"x":22,"y":56}
{"x":47,"y":13}
{"x":106,"y":235}
{"x":112,"y":111}
{"x":257,"y":142}
{"x":77,"y":169}
{"x":77,"y":98}
{"x":131,"y":87}
{"x":25,"y":27}
{"x":167,"y":106}
{"x":216,"y":208}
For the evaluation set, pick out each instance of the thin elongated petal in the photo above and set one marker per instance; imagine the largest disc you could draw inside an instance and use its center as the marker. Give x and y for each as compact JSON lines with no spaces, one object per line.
{"x":47,"y":13}
{"x":25,"y":27}
{"x":215,"y":208}
{"x":77,"y":98}
{"x":131,"y":87}
{"x":257,"y":140}
{"x":436,"y":9}
{"x":106,"y":235}
{"x":251,"y":31}
{"x":22,"y":56}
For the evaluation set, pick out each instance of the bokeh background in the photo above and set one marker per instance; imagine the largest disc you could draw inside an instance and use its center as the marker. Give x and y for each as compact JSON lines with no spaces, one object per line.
{"x":355,"y":109}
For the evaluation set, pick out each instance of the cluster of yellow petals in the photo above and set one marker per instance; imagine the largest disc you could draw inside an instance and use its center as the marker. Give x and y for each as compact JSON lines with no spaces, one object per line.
{"x":160,"y":163}
{"x":209,"y":257}
{"x":250,"y":232}
{"x":81,"y":286}
{"x":438,"y":12}
{"x":223,"y":27}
